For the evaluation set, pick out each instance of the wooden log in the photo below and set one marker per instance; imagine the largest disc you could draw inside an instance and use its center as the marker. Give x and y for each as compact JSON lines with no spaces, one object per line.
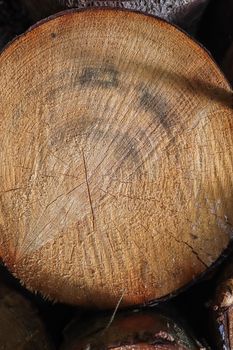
{"x":138,"y":330}
{"x":20,"y":326}
{"x":222,"y":310}
{"x":116,"y":159}
{"x":184,"y":13}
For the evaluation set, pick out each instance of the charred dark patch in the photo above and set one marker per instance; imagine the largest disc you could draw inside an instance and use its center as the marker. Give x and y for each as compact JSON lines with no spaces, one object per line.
{"x":53,"y":35}
{"x":105,"y":77}
{"x":158,"y":107}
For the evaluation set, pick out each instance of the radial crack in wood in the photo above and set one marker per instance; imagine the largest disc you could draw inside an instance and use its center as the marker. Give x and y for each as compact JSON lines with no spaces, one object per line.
{"x":116,"y":159}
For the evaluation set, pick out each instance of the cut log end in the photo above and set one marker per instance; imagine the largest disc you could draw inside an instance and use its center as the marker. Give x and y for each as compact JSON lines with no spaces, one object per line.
{"x":115,"y":129}
{"x":145,"y":330}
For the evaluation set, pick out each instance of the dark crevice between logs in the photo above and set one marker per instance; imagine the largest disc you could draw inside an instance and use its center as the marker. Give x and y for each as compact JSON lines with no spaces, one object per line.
{"x":13,"y":21}
{"x":221,"y":309}
{"x":54,"y":316}
{"x":216,"y":29}
{"x":152,"y":328}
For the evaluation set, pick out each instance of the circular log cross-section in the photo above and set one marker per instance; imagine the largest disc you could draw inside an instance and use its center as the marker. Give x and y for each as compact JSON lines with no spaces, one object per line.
{"x":116,"y":162}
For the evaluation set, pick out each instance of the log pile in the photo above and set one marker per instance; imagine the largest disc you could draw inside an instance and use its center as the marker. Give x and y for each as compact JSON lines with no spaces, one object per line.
{"x":116,"y":162}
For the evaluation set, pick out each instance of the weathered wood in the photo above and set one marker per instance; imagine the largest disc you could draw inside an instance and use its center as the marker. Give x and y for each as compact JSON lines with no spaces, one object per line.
{"x":138,"y":330}
{"x":184,"y":13}
{"x":20,"y":326}
{"x":116,"y":159}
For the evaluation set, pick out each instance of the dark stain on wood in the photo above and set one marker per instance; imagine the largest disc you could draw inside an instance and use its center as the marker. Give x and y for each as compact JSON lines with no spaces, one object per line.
{"x":71,"y":130}
{"x":127,"y":148}
{"x":104,"y":77}
{"x":157,"y":106}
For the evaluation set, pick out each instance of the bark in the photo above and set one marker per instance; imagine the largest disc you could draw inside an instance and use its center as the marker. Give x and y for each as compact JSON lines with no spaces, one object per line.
{"x":141,"y":330}
{"x":185,"y":13}
{"x":115,"y":130}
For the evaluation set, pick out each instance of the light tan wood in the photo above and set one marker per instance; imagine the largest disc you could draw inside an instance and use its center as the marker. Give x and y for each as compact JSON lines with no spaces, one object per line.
{"x":116,"y":159}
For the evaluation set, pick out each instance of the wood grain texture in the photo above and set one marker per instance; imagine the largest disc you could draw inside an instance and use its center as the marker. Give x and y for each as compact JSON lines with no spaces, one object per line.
{"x":137,"y":330}
{"x":20,"y":325}
{"x":116,"y":159}
{"x":185,"y":13}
